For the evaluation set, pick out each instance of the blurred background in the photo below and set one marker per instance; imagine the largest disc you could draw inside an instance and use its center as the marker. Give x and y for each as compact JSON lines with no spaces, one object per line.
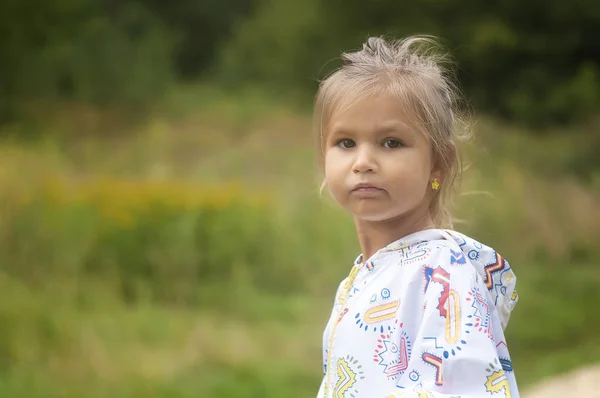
{"x":161,"y":232}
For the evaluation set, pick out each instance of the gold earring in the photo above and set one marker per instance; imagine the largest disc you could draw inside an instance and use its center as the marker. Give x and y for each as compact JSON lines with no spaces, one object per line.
{"x":435,"y":185}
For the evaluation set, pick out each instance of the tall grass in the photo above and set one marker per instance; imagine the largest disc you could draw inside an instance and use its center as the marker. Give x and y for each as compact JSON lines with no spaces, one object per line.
{"x":193,"y":257}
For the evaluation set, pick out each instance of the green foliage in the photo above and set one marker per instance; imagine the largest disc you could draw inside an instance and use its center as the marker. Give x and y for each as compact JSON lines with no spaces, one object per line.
{"x":76,"y":50}
{"x":281,"y":46}
{"x":531,"y":63}
{"x":174,"y":287}
{"x":200,"y":28}
{"x":162,"y":242}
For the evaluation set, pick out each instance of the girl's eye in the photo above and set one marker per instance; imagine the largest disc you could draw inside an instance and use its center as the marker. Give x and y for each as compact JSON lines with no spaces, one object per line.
{"x":346,"y":143}
{"x":392,"y":144}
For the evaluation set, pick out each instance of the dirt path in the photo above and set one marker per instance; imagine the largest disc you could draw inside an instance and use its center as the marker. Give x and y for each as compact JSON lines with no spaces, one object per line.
{"x":584,"y":382}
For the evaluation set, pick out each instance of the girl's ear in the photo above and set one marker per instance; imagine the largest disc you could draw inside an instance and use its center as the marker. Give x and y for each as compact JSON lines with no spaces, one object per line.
{"x":436,"y":167}
{"x":441,"y":164}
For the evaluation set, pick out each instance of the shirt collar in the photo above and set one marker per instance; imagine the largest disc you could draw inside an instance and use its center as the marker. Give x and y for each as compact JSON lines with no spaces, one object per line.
{"x":403,"y":243}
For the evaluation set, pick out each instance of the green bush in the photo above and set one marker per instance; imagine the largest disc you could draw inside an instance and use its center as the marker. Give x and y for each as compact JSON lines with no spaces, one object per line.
{"x":164,"y":240}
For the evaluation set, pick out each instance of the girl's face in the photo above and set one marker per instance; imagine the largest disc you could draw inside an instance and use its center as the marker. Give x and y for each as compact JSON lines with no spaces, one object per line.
{"x":377,"y":166}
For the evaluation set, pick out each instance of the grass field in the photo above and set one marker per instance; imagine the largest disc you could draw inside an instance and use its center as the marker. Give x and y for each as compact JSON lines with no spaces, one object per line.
{"x":188,"y":254}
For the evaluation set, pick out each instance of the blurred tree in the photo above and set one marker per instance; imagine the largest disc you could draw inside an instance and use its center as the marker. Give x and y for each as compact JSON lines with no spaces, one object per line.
{"x":200,"y":27}
{"x":283,"y":44}
{"x":534,"y":63}
{"x":84,"y":50}
{"x":27,"y":27}
{"x":107,"y":50}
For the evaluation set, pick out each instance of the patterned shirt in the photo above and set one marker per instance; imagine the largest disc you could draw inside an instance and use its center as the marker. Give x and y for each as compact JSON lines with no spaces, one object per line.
{"x":423,"y":317}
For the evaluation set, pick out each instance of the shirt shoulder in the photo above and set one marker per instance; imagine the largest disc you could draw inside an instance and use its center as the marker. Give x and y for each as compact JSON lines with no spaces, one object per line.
{"x":440,"y":254}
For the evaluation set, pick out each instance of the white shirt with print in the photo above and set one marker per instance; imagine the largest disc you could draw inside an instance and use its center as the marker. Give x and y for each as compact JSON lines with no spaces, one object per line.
{"x":423,"y":317}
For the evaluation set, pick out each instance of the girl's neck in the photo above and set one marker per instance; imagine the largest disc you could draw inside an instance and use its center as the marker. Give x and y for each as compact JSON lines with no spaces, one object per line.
{"x":375,"y":235}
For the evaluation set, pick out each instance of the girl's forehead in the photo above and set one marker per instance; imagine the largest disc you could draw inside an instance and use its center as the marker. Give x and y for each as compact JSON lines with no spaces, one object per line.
{"x":378,"y":112}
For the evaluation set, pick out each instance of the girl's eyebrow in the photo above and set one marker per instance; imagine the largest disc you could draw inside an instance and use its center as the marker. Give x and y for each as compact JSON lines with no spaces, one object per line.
{"x":394,"y":127}
{"x":388,"y":128}
{"x":339,"y":133}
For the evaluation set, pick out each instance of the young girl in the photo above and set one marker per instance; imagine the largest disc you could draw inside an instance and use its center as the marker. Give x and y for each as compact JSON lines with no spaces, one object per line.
{"x":423,"y":311}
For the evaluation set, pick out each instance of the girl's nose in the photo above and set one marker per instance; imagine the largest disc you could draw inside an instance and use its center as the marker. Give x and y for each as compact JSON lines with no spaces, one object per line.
{"x":365,"y":161}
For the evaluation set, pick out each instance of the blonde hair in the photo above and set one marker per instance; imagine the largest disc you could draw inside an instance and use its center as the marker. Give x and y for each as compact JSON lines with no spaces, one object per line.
{"x":412,"y":70}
